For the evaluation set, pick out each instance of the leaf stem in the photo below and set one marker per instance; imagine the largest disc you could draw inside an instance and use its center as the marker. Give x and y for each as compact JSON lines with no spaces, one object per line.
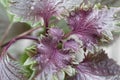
{"x":23,"y":34}
{"x":5,"y":34}
{"x":14,"y":40}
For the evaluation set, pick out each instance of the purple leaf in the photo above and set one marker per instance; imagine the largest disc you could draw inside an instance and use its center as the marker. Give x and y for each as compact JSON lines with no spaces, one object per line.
{"x":56,"y":33}
{"x":97,"y":67}
{"x":9,"y":66}
{"x":50,"y":59}
{"x":36,"y":9}
{"x":71,"y":45}
{"x":93,"y":24}
{"x":10,"y":69}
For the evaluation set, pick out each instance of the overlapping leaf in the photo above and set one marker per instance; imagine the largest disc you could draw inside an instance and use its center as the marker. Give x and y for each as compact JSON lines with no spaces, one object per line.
{"x":97,"y":67}
{"x":35,"y":9}
{"x":93,"y":25}
{"x":10,"y":69}
{"x":50,"y":59}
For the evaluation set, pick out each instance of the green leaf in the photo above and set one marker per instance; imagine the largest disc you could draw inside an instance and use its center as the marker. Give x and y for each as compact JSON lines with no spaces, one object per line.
{"x":29,"y":61}
{"x":63,"y":24}
{"x":16,"y":29}
{"x":23,"y":58}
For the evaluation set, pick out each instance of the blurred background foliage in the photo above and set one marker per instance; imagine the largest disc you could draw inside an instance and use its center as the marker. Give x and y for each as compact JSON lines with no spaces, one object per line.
{"x":115,"y":3}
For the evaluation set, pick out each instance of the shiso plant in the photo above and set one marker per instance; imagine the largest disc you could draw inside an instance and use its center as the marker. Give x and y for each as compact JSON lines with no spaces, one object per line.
{"x":69,"y":45}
